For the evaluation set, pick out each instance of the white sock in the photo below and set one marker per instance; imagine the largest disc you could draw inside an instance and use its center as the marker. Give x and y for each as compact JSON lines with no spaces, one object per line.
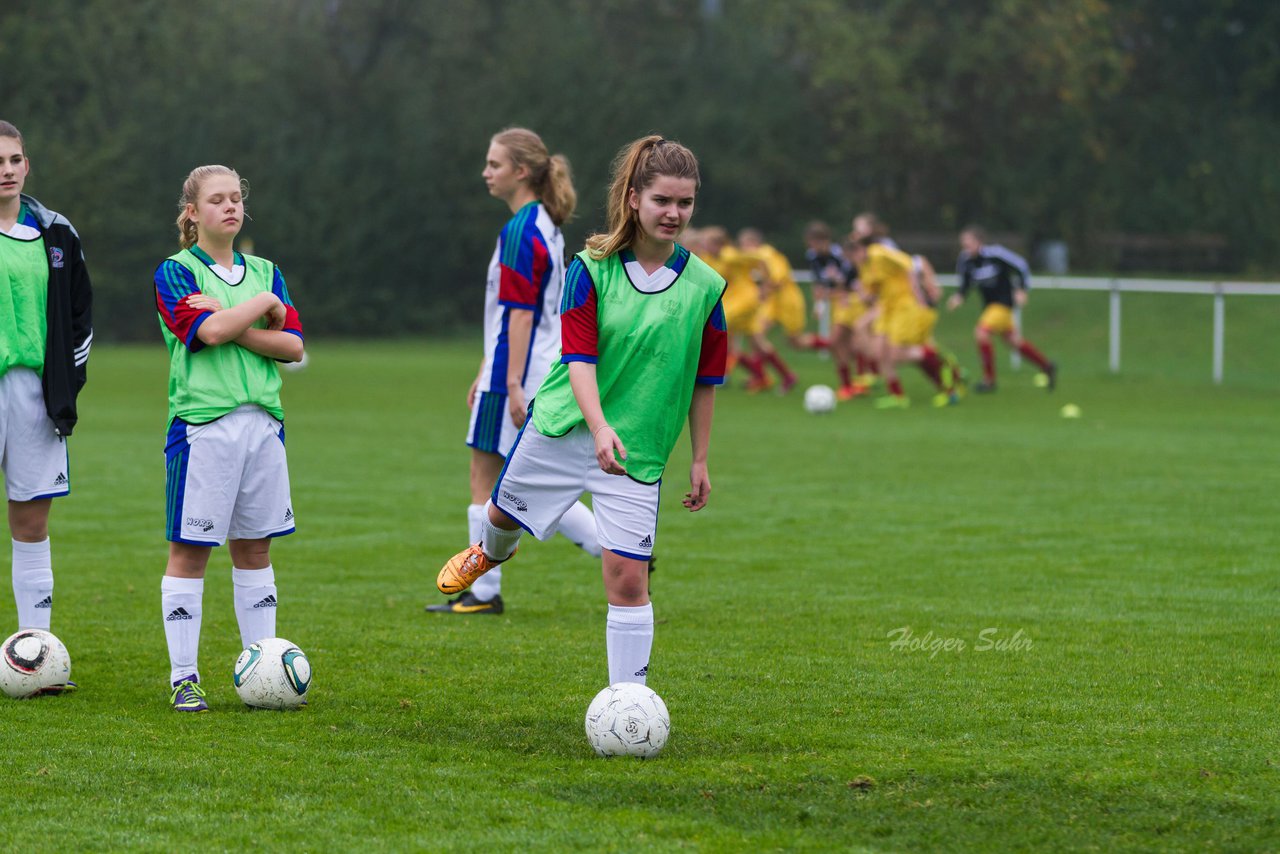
{"x":579,"y":525}
{"x":497,"y":543}
{"x":180,"y":601}
{"x":33,"y":584}
{"x":490,"y":584}
{"x":628,"y":639}
{"x":254,"y":592}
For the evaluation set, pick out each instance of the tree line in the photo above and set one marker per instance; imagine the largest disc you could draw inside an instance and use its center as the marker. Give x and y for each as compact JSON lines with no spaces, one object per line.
{"x":361,"y":126}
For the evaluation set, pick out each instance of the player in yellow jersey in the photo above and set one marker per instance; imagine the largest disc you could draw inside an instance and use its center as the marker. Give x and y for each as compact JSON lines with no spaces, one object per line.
{"x":918,"y":345}
{"x":902,"y":325}
{"x":742,"y":307}
{"x":784,"y":303}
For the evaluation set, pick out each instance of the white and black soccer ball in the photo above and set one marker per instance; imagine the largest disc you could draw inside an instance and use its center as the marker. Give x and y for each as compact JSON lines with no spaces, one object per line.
{"x":272,"y":674}
{"x":819,"y":399}
{"x":33,"y":661}
{"x":628,"y":719}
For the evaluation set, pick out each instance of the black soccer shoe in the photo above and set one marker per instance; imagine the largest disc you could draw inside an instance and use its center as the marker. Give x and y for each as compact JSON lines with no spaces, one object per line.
{"x":467,"y":603}
{"x":985,"y":387}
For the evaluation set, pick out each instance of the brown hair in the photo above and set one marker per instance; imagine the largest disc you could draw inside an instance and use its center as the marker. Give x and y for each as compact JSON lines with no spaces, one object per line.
{"x":12,"y":132}
{"x":188,"y":232}
{"x":549,"y":174}
{"x":876,"y":226}
{"x":976,"y":230}
{"x":817,"y":230}
{"x":636,"y":167}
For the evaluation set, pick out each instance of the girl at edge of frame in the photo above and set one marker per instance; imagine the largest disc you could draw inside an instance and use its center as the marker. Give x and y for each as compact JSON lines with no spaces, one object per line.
{"x":46,"y":334}
{"x":522,"y":333}
{"x":643,"y":343}
{"x":227,"y":319}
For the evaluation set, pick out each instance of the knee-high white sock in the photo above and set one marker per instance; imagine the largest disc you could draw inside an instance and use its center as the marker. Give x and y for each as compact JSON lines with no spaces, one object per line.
{"x":579,"y":525}
{"x":180,"y":600}
{"x":490,"y":584}
{"x":628,"y":639}
{"x":33,"y":584}
{"x":254,"y":592}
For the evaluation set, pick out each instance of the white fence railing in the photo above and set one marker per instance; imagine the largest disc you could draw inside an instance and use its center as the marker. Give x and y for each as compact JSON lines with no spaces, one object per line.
{"x":1116,"y":286}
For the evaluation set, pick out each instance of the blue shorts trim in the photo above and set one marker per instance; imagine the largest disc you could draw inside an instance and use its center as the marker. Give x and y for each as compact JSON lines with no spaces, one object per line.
{"x":62,"y":494}
{"x":631,"y":555}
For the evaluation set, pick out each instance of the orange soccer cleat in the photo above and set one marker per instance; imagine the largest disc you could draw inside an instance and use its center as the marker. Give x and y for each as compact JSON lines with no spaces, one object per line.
{"x":463,"y":569}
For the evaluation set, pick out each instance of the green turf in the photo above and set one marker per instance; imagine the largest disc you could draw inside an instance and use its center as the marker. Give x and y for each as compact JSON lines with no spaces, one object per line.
{"x":1134,"y":548}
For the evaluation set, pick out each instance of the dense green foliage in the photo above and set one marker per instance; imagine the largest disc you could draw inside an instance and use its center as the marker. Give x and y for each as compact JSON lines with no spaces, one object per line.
{"x":362,"y":125}
{"x":1133,"y":547}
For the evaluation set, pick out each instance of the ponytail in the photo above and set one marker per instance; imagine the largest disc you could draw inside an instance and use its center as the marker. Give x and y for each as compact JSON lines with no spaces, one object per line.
{"x":636,"y":167}
{"x":549,"y":175}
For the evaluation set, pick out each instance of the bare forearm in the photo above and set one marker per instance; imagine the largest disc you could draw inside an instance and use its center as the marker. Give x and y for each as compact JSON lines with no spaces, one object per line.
{"x":273,"y":344}
{"x":519,"y":330}
{"x":701,"y":410}
{"x":586,"y":391}
{"x":229,"y":323}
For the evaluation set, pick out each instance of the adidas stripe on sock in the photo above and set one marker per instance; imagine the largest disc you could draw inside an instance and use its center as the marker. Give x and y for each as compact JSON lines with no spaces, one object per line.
{"x":33,"y":584}
{"x":181,"y":605}
{"x":628,"y":638}
{"x":254,"y":592}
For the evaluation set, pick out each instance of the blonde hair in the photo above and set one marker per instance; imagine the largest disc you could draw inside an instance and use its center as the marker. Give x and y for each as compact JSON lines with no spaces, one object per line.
{"x":549,"y":174}
{"x":636,"y":167}
{"x":12,"y":132}
{"x":188,"y":231}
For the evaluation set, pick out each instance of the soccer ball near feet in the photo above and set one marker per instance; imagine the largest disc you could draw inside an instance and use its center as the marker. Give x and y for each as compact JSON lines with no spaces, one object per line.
{"x":32,"y":662}
{"x":272,"y":674}
{"x":628,"y":719}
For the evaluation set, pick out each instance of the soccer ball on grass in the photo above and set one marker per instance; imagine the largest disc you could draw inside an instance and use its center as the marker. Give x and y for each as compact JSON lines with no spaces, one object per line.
{"x":628,"y":719}
{"x":32,"y":662}
{"x":819,"y":399}
{"x":272,"y":674}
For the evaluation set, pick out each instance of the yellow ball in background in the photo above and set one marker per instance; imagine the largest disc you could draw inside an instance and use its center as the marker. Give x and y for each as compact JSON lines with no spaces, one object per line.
{"x":1070,"y":410}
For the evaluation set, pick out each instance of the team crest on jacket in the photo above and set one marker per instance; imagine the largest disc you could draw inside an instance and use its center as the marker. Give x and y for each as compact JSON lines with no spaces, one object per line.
{"x":55,"y":256}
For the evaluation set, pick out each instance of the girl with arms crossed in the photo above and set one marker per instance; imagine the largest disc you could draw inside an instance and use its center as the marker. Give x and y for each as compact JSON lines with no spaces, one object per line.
{"x":227,"y":319}
{"x":643,"y":346}
{"x":522,"y":332}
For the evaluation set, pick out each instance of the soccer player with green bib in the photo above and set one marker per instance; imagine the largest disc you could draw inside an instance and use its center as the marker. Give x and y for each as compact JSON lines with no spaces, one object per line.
{"x":227,"y":319}
{"x":643,"y":345}
{"x":45,"y":336}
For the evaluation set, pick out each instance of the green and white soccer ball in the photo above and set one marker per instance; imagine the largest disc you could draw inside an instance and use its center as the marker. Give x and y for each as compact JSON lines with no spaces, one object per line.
{"x":628,"y":719}
{"x":272,"y":674}
{"x":819,"y":399}
{"x":31,"y":662}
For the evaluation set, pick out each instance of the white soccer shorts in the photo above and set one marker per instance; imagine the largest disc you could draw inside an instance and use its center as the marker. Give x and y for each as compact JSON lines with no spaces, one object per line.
{"x":227,"y":479}
{"x":32,"y":454}
{"x":545,"y":475}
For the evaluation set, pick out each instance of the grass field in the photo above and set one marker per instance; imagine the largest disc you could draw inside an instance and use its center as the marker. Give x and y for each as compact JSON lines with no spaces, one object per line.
{"x":1132,"y":553}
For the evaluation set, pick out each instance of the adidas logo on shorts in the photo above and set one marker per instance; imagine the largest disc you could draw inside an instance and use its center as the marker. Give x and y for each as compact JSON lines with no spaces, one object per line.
{"x":61,"y":479}
{"x":646,"y":543}
{"x":46,"y":602}
{"x":288,"y":514}
{"x":178,"y":614}
{"x":269,"y":602}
